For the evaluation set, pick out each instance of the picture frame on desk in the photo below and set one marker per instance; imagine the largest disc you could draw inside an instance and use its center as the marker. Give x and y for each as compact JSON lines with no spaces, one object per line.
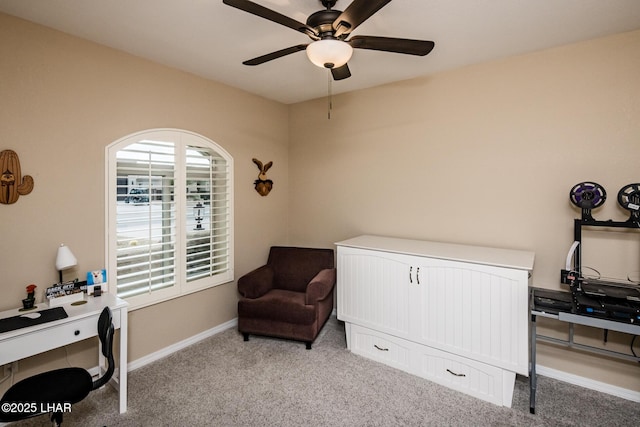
{"x":96,"y":278}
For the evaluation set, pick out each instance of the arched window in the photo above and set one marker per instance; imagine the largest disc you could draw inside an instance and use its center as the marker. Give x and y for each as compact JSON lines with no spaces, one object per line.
{"x":169,"y":215}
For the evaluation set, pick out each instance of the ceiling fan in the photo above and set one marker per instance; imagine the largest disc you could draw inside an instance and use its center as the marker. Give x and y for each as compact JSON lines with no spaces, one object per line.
{"x":329,"y":29}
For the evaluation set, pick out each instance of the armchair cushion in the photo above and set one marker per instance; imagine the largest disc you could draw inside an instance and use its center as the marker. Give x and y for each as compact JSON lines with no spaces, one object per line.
{"x":279,"y":305}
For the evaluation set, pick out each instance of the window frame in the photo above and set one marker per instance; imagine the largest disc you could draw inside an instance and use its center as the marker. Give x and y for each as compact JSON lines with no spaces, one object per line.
{"x":181,"y":139}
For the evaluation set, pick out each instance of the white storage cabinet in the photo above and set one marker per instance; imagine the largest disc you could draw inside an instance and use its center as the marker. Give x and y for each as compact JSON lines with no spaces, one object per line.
{"x":453,"y":314}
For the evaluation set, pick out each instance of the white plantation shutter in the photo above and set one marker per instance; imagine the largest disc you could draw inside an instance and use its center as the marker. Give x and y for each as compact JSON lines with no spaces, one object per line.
{"x":170,"y":215}
{"x":146,"y":235}
{"x":207,"y":238}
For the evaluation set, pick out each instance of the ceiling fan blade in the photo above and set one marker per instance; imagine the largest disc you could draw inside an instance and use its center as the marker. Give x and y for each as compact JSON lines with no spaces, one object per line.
{"x":272,"y":15}
{"x":391,"y":44}
{"x":355,"y":14}
{"x":341,"y":73}
{"x":275,"y":55}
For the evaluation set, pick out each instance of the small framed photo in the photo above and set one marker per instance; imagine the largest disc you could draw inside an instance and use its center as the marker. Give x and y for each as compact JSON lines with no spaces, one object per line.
{"x":96,"y":277}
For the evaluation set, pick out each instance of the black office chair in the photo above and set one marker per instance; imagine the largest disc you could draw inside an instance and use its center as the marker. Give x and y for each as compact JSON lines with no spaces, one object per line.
{"x":61,"y":387}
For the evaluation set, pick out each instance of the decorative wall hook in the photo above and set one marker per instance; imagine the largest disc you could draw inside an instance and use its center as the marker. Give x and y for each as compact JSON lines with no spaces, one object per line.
{"x":13,"y":184}
{"x":263,"y":185}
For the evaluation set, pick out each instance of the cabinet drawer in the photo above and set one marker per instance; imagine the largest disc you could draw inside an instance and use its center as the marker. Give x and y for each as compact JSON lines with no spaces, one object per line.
{"x":35,"y":342}
{"x":381,"y":347}
{"x":459,"y":373}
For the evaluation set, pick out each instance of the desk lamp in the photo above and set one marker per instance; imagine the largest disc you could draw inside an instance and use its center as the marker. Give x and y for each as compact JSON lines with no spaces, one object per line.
{"x":65,"y":259}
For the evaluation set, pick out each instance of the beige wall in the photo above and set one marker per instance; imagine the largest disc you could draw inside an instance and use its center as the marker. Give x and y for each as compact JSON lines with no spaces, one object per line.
{"x":62,"y":101}
{"x":483,"y":155}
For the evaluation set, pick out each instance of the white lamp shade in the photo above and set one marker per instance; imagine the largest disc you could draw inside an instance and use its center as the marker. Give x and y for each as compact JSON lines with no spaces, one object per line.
{"x":65,"y":258}
{"x":328,"y":53}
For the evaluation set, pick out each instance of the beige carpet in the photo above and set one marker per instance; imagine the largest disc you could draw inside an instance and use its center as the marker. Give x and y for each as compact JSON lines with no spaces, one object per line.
{"x":223,"y":381}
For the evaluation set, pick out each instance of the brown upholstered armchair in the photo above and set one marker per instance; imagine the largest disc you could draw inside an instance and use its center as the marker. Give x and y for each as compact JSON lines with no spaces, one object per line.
{"x":290,"y":297}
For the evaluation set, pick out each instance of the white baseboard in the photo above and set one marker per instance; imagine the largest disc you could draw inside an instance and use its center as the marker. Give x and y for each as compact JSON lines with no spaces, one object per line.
{"x":624,"y":393}
{"x":138,"y":363}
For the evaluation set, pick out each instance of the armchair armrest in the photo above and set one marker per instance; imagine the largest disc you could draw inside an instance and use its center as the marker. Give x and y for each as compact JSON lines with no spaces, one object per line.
{"x":320,"y":286}
{"x":256,"y":283}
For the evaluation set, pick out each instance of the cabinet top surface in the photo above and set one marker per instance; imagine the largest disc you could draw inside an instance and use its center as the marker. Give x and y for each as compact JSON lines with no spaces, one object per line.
{"x":509,"y":258}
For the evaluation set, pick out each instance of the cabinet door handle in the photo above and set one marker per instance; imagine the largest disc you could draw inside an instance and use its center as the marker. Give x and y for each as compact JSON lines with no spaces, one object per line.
{"x":380,"y":348}
{"x":410,"y":270}
{"x":453,"y":373}
{"x":418,"y":275}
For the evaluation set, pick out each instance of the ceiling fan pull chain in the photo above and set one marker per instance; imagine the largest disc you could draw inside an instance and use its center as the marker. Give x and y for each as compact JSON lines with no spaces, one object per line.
{"x":330,"y":103}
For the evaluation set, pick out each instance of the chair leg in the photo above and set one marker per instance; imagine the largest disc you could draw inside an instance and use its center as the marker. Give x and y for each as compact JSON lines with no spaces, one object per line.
{"x":246,"y":336}
{"x":56,"y":419}
{"x":308,"y":344}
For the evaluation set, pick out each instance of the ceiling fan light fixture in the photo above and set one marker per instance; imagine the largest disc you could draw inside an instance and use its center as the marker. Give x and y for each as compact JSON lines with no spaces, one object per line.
{"x":329,"y":53}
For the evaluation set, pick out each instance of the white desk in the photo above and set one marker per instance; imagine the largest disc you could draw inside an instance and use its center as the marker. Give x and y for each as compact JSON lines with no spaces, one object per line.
{"x":81,"y":324}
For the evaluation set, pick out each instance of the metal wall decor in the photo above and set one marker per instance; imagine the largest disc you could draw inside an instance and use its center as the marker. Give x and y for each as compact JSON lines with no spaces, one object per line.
{"x":263,"y":185}
{"x":13,"y":184}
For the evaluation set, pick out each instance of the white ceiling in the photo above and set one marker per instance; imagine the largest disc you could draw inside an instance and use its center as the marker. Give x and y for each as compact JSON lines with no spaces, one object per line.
{"x":210,"y":39}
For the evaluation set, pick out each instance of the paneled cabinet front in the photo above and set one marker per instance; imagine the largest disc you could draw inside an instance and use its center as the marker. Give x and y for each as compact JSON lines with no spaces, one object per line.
{"x":379,"y":293}
{"x":475,"y":311}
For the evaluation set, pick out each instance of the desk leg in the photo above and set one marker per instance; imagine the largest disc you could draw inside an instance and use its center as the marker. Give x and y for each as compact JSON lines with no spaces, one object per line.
{"x":122,"y":371}
{"x":532,"y":367}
